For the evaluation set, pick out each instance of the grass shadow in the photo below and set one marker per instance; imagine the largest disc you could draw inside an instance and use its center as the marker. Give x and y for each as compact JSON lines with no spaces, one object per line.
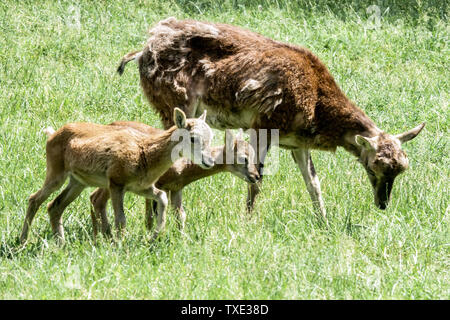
{"x":353,"y":230}
{"x":13,"y":248}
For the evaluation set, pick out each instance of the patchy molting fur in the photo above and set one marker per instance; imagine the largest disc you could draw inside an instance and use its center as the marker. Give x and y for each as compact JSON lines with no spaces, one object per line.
{"x":245,"y":80}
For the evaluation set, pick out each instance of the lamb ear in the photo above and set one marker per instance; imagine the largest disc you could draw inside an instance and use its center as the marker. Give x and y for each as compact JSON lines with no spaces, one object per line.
{"x":367,"y":143}
{"x":411,"y":134}
{"x":229,"y":139}
{"x":203,"y":116}
{"x":179,"y":117}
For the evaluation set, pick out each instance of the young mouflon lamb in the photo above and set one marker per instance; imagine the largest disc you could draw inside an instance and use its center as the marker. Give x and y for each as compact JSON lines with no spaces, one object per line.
{"x":182,"y":173}
{"x":118,"y":159}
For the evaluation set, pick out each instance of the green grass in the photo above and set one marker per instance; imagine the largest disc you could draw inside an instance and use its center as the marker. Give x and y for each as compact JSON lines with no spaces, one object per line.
{"x":52,"y":72}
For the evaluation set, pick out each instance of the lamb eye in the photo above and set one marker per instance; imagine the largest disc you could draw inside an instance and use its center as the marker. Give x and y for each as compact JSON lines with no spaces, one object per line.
{"x":192,"y":140}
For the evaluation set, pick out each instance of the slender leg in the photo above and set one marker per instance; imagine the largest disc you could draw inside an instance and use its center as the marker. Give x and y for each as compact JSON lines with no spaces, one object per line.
{"x":303,"y":159}
{"x":57,"y":206}
{"x":117,"y":192}
{"x":176,"y":200}
{"x":161,"y":197}
{"x":253,"y":189}
{"x":35,"y":201}
{"x":94,"y":223}
{"x":99,"y":199}
{"x":151,"y":207}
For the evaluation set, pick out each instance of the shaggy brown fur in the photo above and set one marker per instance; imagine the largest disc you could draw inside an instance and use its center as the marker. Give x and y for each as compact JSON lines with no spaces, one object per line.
{"x":246,"y":80}
{"x":117,"y":158}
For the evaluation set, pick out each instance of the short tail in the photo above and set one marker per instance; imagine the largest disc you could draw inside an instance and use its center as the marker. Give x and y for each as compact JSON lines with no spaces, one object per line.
{"x":49,"y":131}
{"x":127,"y":58}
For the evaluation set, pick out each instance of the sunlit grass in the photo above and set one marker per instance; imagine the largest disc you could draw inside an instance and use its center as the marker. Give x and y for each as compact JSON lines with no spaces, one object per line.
{"x":53,"y":72}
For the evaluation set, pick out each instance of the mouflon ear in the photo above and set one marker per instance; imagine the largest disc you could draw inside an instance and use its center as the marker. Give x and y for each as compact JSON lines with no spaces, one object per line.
{"x":367,"y":143}
{"x":411,"y":134}
{"x":179,"y":117}
{"x":203,"y":116}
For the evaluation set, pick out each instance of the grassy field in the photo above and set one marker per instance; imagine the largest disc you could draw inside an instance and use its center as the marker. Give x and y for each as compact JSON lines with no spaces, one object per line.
{"x":57,"y":65}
